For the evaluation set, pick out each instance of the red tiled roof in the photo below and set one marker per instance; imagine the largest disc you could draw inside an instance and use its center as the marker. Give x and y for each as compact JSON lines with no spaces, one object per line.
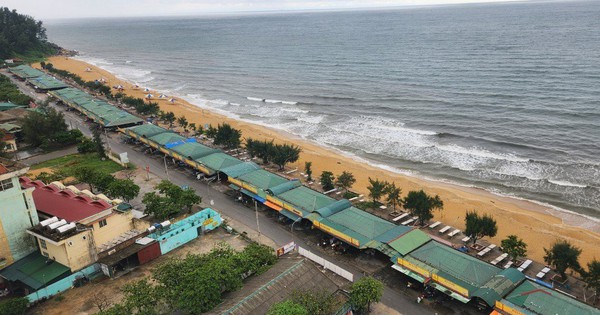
{"x":63,"y":204}
{"x":3,"y":169}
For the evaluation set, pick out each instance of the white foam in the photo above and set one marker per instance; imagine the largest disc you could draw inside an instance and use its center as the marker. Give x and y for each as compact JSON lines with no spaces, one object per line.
{"x":289,"y":102}
{"x":272,"y":101}
{"x":256,"y":99}
{"x":566,"y":183}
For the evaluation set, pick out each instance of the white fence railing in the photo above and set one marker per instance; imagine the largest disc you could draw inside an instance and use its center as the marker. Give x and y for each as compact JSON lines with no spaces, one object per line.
{"x":326,"y":264}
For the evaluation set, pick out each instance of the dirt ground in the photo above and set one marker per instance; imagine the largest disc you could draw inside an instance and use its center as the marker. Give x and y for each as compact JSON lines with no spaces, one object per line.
{"x":81,"y":301}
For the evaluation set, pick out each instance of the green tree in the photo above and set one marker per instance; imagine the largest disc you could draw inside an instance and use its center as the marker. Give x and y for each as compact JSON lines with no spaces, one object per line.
{"x":592,"y":276}
{"x":141,"y":297}
{"x":419,"y":204}
{"x":319,"y":302}
{"x":479,"y":226}
{"x":169,"y":118}
{"x":287,"y":307}
{"x":172,"y":200}
{"x":308,"y":170}
{"x":227,"y":136}
{"x":193,"y":127}
{"x":326,"y":180}
{"x":285,"y":153}
{"x":86,"y":146}
{"x":182,"y":122}
{"x":393,"y":195}
{"x":98,"y":143}
{"x":14,"y":306}
{"x":40,"y":130}
{"x":514,"y":246}
{"x":345,"y":180}
{"x":123,"y":188}
{"x":93,"y":178}
{"x":376,"y":189}
{"x":22,"y":35}
{"x":562,"y":255}
{"x":364,"y":292}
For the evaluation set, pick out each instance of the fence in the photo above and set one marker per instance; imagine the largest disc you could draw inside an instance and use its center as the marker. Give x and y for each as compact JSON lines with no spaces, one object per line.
{"x":62,"y":285}
{"x":326,"y":264}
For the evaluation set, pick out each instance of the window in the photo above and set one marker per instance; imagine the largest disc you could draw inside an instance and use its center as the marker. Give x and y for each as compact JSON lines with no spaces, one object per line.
{"x":103,"y":223}
{"x":43,"y":244}
{"x":6,"y":184}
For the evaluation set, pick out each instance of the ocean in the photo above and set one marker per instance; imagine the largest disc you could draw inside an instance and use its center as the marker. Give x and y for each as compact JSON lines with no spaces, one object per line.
{"x":505,"y":97}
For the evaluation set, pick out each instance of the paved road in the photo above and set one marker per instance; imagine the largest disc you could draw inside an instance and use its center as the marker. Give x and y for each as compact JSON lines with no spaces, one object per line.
{"x":229,"y":206}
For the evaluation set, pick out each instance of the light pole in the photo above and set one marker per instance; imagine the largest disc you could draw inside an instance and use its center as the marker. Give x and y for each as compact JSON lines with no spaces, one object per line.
{"x":211,"y":202}
{"x":166,"y":168}
{"x":297,"y":220}
{"x":256,"y":212}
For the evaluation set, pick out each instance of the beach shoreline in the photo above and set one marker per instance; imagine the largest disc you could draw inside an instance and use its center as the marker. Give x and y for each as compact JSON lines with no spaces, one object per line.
{"x":537,"y":224}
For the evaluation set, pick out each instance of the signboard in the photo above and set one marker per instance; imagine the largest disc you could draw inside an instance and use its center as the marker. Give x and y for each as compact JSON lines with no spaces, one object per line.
{"x":123,"y":157}
{"x":450,"y":285}
{"x":413,"y":267}
{"x":286,"y":249}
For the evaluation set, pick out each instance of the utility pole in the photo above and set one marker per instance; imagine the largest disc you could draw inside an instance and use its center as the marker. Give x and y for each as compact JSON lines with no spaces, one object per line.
{"x":256,"y":212}
{"x":166,"y":168}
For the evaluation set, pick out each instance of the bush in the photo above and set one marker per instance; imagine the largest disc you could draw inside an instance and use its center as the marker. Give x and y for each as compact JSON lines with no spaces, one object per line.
{"x":14,"y":306}
{"x":86,"y":146}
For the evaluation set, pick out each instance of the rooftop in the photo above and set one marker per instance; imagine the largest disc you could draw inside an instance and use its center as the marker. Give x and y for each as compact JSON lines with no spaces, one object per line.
{"x":25,"y":71}
{"x":9,"y":166}
{"x":218,"y":161}
{"x":47,"y":82}
{"x":64,"y":203}
{"x":6,"y":106}
{"x":35,"y":271}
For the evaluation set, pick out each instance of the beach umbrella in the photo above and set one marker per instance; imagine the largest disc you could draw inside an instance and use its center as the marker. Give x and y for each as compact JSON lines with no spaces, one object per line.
{"x":149,"y":96}
{"x":162,"y":96}
{"x":136,"y":86}
{"x":172,"y":100}
{"x":146,"y":90}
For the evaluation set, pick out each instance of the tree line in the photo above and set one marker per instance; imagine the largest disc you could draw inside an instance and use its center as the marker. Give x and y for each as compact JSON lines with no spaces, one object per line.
{"x":9,"y":92}
{"x":270,"y":152}
{"x":22,"y":35}
{"x":194,"y":284}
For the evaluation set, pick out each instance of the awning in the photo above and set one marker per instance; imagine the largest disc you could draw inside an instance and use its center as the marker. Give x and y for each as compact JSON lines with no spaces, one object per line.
{"x":234,"y":187}
{"x":289,"y":214}
{"x":34,"y":271}
{"x":250,"y":194}
{"x":273,"y":206}
{"x":409,"y":273}
{"x":451,"y":293}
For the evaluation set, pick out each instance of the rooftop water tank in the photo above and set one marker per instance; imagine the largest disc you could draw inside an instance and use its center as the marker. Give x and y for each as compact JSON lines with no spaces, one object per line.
{"x":67,"y":227}
{"x":57,"y":224}
{"x":49,"y":221}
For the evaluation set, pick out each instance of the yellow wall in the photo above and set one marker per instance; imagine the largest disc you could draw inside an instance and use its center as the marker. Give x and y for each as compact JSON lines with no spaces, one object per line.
{"x":117,"y":224}
{"x":74,"y":252}
{"x":5,"y":249}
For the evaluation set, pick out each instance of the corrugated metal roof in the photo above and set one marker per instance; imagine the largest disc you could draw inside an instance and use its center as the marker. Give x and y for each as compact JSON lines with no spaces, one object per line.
{"x":408,"y":242}
{"x":34,"y":271}
{"x":25,"y":71}
{"x":238,"y":170}
{"x":218,"y":161}
{"x":262,"y":179}
{"x":361,"y":222}
{"x":166,"y":137}
{"x":464,"y":270}
{"x":535,"y":298}
{"x":279,"y":189}
{"x":193,"y":150}
{"x":499,"y":285}
{"x":46,"y":82}
{"x":147,"y":130}
{"x":306,"y":199}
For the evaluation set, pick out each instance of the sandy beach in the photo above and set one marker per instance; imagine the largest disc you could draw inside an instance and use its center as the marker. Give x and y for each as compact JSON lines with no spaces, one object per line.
{"x":538,"y":225}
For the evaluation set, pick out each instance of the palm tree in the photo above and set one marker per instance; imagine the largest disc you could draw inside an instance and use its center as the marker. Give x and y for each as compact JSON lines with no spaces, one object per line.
{"x":393,"y":195}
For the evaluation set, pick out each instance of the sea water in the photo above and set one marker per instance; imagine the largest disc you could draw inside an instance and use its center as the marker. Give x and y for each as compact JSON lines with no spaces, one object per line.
{"x":500,"y":96}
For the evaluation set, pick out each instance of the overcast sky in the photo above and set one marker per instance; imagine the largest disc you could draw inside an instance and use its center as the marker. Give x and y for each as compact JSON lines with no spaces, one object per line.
{"x":49,"y":9}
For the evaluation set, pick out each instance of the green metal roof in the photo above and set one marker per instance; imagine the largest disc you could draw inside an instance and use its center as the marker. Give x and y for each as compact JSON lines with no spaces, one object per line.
{"x":262,"y":179}
{"x":306,"y":199}
{"x":360,"y":222}
{"x":147,"y":130}
{"x":499,"y":285}
{"x":279,"y":189}
{"x":166,"y":137}
{"x":192,"y":150}
{"x":334,"y":208}
{"x":410,"y":241}
{"x":46,"y":82}
{"x":218,"y":161}
{"x":532,"y":298}
{"x":33,"y":271}
{"x":25,"y":71}
{"x":10,"y":127}
{"x":6,"y":106}
{"x":238,"y":170}
{"x":464,"y":270}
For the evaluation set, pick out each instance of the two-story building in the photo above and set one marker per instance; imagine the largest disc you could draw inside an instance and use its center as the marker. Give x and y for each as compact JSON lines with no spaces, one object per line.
{"x":76,"y":226}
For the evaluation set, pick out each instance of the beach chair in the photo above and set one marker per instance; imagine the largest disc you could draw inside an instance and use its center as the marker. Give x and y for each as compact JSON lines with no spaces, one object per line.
{"x":398,"y":218}
{"x":456,"y":231}
{"x":508,"y":264}
{"x":542,"y":273}
{"x":445,"y":229}
{"x":382,"y":207}
{"x":483,"y":252}
{"x":433,"y":225}
{"x":524,"y":265}
{"x":409,"y":221}
{"x":492,"y":246}
{"x":499,"y":259}
{"x":466,"y":239}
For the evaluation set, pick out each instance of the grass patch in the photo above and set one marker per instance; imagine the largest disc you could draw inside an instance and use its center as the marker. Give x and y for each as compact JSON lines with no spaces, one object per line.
{"x":69,"y":163}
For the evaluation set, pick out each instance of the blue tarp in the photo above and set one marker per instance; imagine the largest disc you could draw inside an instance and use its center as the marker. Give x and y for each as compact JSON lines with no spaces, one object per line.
{"x":250,"y":194}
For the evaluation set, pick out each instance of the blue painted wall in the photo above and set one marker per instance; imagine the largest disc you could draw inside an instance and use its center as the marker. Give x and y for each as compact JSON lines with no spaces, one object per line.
{"x":186,"y":230}
{"x":62,"y":285}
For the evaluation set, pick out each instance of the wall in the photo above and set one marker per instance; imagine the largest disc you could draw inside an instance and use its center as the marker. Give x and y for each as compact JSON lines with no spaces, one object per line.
{"x":149,"y":253}
{"x":117,"y":224}
{"x":74,"y":252}
{"x":186,"y":229}
{"x":62,"y":285}
{"x":17,"y":214}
